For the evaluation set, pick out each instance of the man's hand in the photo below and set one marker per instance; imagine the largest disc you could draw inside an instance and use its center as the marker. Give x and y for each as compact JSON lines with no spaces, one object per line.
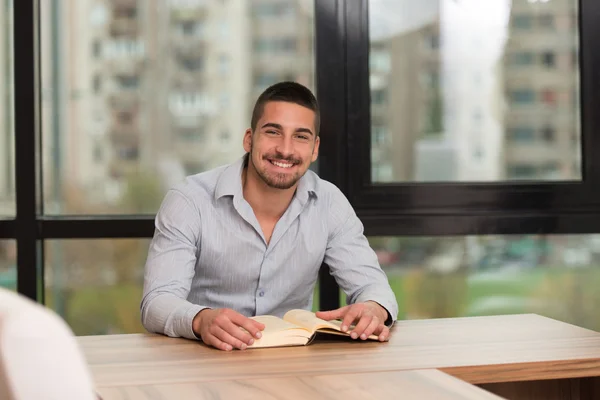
{"x":226,"y":329}
{"x":370,"y":319}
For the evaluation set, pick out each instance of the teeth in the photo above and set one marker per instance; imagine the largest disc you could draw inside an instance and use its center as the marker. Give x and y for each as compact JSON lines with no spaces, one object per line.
{"x":282,"y":165}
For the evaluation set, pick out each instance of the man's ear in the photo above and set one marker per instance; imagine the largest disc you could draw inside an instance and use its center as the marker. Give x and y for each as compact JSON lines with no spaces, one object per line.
{"x":315,"y":153}
{"x":248,"y":140}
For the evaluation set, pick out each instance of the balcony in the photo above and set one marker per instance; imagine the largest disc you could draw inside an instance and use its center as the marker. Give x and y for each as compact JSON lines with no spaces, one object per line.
{"x":124,"y":134}
{"x":124,"y":4}
{"x":125,"y":101}
{"x":188,"y":45}
{"x":182,"y":11}
{"x":124,"y":27}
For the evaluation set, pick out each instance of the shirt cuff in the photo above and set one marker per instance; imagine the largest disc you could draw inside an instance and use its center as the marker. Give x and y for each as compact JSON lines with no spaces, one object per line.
{"x":182,"y":326}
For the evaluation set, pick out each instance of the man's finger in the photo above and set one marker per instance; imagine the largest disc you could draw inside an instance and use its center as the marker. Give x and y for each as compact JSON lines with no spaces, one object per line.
{"x":362,"y":324}
{"x":332,"y":314}
{"x":227,"y":338}
{"x":235,"y":331}
{"x":384,"y":334}
{"x":351,"y":315}
{"x":253,"y":327}
{"x":212,"y":340}
{"x":372,"y":327}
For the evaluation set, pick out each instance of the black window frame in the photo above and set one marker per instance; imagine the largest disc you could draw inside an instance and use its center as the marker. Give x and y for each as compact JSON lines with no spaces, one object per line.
{"x":342,"y":86}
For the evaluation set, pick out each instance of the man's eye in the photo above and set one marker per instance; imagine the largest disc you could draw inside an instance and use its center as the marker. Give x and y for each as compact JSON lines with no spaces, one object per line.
{"x":272,"y":132}
{"x":303,"y":137}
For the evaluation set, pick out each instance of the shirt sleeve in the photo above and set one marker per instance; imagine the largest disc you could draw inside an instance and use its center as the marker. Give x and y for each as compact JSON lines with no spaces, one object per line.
{"x":353,"y":263}
{"x":170,"y":269}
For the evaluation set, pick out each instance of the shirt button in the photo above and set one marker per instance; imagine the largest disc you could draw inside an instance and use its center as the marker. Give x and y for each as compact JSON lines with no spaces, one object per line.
{"x":261,"y":293}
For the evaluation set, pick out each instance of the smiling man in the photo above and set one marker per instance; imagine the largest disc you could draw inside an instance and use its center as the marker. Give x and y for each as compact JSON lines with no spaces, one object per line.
{"x":249,"y":238}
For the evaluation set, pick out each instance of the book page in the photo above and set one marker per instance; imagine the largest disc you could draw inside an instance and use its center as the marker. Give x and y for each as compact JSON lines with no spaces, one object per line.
{"x":274,"y":324}
{"x":308,"y":320}
{"x":278,"y":333}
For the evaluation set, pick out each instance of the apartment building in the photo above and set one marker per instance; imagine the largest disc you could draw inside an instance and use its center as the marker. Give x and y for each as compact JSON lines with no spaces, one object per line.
{"x":161,"y":88}
{"x":540,"y":69}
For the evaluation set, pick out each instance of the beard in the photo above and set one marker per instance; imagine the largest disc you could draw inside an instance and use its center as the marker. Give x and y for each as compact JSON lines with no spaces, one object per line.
{"x":274,"y":179}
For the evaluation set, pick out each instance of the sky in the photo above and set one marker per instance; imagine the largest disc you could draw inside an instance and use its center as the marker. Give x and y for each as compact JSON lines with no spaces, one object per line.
{"x":392,"y":17}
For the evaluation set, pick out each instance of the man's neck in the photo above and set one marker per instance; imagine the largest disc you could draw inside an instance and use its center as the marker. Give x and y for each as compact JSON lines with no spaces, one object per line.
{"x":267,"y":202}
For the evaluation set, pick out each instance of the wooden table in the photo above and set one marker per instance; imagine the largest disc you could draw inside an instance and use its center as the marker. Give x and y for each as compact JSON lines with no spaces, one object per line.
{"x":517,"y":357}
{"x":427,"y":384}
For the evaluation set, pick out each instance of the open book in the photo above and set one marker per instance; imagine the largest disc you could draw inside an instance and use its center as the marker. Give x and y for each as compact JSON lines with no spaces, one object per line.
{"x":297,"y":328}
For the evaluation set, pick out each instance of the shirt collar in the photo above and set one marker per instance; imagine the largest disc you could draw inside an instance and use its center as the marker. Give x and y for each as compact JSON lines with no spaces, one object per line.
{"x":230,"y":182}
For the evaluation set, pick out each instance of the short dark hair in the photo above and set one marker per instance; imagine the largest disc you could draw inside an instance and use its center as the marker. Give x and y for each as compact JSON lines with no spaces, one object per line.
{"x":291,"y":92}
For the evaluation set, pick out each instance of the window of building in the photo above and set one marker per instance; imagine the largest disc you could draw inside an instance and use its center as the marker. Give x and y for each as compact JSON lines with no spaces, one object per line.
{"x":522,"y":171}
{"x":546,"y":21}
{"x":522,"y":58}
{"x":548,"y":134}
{"x":522,"y":96}
{"x":379,"y":135}
{"x":549,"y":59}
{"x":522,"y":134}
{"x":128,"y":81}
{"x":521,"y":21}
{"x":97,"y":83}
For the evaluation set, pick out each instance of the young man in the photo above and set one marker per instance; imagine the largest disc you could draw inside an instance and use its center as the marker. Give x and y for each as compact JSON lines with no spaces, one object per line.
{"x":249,"y":238}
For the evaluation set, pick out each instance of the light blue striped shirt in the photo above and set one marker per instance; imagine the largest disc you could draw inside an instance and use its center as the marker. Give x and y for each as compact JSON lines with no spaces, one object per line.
{"x":208,"y":250}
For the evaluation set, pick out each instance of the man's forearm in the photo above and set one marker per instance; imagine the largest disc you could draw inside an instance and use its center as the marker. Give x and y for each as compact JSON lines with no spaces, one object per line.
{"x":170,"y":315}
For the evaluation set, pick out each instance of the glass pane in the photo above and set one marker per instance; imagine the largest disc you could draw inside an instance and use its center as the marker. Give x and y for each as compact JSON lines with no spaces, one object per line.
{"x":139,"y":94}
{"x":474,"y":90}
{"x":8,"y":264}
{"x":96,"y":285}
{"x":7,"y":149}
{"x":552,"y":275}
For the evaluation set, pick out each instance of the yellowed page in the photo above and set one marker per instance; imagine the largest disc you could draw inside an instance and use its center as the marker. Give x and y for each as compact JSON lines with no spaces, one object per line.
{"x":308,"y":320}
{"x":278,"y":332}
{"x":274,"y":324}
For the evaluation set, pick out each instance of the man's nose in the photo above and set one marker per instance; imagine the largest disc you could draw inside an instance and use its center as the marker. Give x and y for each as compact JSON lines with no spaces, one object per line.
{"x":286,"y":147}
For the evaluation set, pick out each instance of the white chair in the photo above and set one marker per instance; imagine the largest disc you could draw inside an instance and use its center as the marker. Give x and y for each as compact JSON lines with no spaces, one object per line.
{"x":39,"y":356}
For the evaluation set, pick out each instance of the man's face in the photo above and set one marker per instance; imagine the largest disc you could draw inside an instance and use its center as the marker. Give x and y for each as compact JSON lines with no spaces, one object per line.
{"x":283,"y":145}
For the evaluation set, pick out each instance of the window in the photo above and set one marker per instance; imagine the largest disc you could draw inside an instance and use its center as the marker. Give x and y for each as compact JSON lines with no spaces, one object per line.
{"x":379,"y":135}
{"x":378,"y":97}
{"x":192,"y":135}
{"x":78,"y":273}
{"x":413,"y":188}
{"x":548,"y":59}
{"x":97,"y":48}
{"x":522,"y":58}
{"x":150,"y":81}
{"x":521,"y":21}
{"x":224,"y":64}
{"x":549,"y":134}
{"x":460,"y":276}
{"x":522,"y":96}
{"x":433,"y":90}
{"x":522,"y":134}
{"x":97,"y":83}
{"x":546,"y":21}
{"x":522,"y":171}
{"x":127,"y":81}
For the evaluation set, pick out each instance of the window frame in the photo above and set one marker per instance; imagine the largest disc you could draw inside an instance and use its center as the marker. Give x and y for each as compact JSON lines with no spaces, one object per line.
{"x":463,"y":208}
